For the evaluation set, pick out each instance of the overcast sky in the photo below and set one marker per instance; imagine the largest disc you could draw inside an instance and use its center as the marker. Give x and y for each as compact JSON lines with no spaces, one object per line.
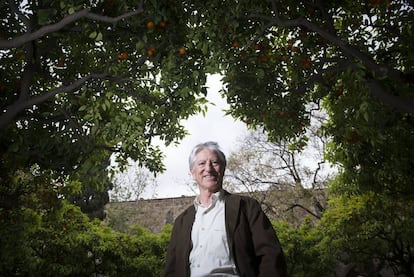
{"x":215,"y":126}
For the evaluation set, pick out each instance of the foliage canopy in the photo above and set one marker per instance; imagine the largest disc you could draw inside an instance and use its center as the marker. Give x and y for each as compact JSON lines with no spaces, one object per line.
{"x":84,"y":81}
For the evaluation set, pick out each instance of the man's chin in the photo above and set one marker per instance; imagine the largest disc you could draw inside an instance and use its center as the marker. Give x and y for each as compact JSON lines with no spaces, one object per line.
{"x":212,"y":186}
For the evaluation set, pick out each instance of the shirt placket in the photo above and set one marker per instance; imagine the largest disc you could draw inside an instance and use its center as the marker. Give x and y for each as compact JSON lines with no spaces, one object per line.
{"x":200,"y":225}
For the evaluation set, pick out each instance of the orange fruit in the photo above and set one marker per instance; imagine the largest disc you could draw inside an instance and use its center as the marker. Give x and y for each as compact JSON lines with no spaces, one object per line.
{"x":182,"y":51}
{"x":150,"y":24}
{"x":123,"y":56}
{"x":150,"y":52}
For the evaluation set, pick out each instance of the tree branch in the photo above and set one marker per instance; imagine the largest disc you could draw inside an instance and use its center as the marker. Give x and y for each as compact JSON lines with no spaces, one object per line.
{"x":304,"y":208}
{"x":379,"y":71}
{"x":402,"y":105}
{"x":85,"y":13}
{"x":11,"y":111}
{"x":20,"y":40}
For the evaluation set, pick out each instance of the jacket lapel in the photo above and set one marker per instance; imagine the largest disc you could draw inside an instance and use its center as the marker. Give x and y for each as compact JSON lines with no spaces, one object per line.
{"x":232,"y":207}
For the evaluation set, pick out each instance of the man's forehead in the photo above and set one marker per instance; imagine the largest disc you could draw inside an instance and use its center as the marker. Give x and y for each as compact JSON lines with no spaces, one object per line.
{"x":204,"y":153}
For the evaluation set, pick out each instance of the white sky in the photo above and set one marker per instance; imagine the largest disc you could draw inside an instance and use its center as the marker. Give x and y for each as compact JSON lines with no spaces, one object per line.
{"x":215,"y":126}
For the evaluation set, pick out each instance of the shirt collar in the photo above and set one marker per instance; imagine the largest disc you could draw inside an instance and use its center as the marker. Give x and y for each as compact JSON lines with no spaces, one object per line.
{"x":214,"y":198}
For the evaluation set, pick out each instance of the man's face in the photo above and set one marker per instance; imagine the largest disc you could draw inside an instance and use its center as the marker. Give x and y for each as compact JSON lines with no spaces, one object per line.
{"x":208,"y":171}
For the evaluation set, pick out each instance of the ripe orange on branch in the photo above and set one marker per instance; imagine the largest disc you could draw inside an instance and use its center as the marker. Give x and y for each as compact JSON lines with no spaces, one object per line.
{"x":150,"y":24}
{"x":182,"y":51}
{"x":163,"y":24}
{"x":151,"y":52}
{"x":123,"y":56}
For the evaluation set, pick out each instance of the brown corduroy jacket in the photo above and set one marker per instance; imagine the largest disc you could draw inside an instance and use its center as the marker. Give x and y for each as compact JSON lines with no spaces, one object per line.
{"x":253,"y":243}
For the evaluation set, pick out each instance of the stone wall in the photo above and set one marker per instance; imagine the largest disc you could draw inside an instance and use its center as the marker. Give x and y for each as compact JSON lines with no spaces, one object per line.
{"x":153,"y":214}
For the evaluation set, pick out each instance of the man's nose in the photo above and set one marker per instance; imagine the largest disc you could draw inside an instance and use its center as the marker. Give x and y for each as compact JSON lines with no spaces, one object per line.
{"x":209,"y":165}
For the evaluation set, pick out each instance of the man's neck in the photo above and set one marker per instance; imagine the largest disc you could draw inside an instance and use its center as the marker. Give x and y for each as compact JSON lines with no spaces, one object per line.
{"x":205,"y":197}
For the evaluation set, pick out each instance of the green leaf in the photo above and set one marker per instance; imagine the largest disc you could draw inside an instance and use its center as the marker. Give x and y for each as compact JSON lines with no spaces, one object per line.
{"x":99,"y":36}
{"x":82,"y":108}
{"x":93,"y":35}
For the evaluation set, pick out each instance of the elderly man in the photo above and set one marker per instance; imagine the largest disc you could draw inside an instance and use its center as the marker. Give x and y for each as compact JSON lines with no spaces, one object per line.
{"x":221,"y":234}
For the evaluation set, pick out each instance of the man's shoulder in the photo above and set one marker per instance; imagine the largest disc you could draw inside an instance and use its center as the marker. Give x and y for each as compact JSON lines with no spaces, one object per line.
{"x":243,"y":199}
{"x":189,"y":211}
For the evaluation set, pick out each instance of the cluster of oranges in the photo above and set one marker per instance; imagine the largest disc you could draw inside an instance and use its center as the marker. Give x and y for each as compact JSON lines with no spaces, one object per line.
{"x":162,"y":24}
{"x":264,"y":58}
{"x":151,"y":24}
{"x":152,"y":50}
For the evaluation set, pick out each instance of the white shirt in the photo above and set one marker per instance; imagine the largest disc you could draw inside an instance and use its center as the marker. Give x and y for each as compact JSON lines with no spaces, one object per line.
{"x":210,"y":254}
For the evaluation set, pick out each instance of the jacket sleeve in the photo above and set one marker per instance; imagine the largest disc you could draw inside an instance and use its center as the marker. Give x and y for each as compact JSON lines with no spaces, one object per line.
{"x":170,"y":266}
{"x":268,"y":251}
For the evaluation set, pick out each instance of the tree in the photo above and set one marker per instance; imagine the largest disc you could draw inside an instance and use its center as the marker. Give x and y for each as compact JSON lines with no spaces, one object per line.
{"x":310,"y":42}
{"x":283,"y":59}
{"x":370,"y":226}
{"x":82,"y":82}
{"x":283,"y":175}
{"x":130,"y":185}
{"x":44,"y":235}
